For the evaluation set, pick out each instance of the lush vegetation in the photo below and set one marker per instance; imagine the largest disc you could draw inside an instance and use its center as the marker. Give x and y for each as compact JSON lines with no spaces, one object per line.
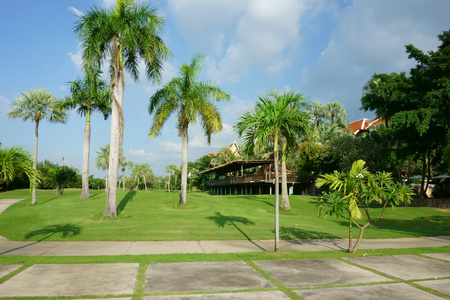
{"x":156,"y":215}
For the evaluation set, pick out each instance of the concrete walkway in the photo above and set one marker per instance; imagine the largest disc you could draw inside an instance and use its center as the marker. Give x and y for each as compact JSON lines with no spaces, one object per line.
{"x":373,"y":277}
{"x":182,"y":247}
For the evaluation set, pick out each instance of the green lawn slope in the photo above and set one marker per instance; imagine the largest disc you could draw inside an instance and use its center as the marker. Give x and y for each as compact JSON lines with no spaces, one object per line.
{"x":156,"y":216}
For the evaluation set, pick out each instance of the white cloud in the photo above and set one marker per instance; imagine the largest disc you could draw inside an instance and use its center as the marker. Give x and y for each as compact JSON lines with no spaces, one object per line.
{"x":76,"y":11}
{"x":140,"y":155}
{"x":76,"y":58}
{"x":245,"y":36}
{"x":368,"y":38}
{"x":5,"y":104}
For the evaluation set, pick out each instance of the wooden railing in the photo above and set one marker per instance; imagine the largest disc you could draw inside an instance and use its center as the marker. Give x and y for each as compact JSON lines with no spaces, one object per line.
{"x":267,"y":177}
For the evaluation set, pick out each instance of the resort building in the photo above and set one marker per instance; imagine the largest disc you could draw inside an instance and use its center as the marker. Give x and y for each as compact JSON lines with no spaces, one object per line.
{"x":250,"y":177}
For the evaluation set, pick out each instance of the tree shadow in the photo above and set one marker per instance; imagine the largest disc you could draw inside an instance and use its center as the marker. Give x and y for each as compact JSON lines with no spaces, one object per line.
{"x":222,"y":220}
{"x":128,"y":197}
{"x":67,"y":230}
{"x":307,"y":237}
{"x":417,"y":227}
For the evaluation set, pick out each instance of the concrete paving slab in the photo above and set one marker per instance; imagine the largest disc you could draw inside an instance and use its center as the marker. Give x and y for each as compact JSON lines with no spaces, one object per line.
{"x":203,"y":276}
{"x":440,"y":285}
{"x":313,"y":245}
{"x":27,"y":248}
{"x":368,"y":292}
{"x":89,"y":248}
{"x":235,"y":246}
{"x":443,"y":256}
{"x":405,"y":266}
{"x":269,"y":295}
{"x":6,"y":269}
{"x":165,"y":247}
{"x":72,"y":280}
{"x":436,"y":241}
{"x":317,"y":272}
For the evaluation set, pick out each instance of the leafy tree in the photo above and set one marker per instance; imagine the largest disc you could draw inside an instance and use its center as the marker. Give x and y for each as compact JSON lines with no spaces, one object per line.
{"x":276,"y":119}
{"x":190,"y":99}
{"x":358,"y":189}
{"x":15,"y":161}
{"x":38,"y":105}
{"x":62,"y":176}
{"x":124,"y":33}
{"x":102,"y":162}
{"x":88,"y":95}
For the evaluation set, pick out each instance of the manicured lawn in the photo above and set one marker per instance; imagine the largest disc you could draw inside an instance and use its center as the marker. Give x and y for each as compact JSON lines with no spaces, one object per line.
{"x":155,"y":215}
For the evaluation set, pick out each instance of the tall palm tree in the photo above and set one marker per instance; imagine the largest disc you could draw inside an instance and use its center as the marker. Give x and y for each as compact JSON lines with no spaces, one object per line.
{"x":38,"y":105}
{"x":123,"y":34}
{"x":102,"y":162}
{"x":88,"y":95}
{"x":190,"y":99}
{"x":15,"y":161}
{"x":276,"y":119}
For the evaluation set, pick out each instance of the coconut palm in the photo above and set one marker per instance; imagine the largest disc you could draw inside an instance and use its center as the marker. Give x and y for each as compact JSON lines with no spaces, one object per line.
{"x":277,"y":118}
{"x":124,"y":164}
{"x":38,"y":105}
{"x":124,"y":34}
{"x":102,"y":162}
{"x":190,"y":99}
{"x":15,"y":161}
{"x":88,"y":95}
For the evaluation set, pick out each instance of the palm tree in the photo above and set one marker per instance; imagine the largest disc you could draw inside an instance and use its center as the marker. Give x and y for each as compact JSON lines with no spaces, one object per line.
{"x":15,"y":161}
{"x":170,"y":168}
{"x":124,"y":164}
{"x":38,"y":105}
{"x":88,"y":94}
{"x":145,"y":170}
{"x":124,"y":33}
{"x":191,"y":99}
{"x":336,"y":113}
{"x":102,"y":162}
{"x":276,"y":119}
{"x":317,"y":111}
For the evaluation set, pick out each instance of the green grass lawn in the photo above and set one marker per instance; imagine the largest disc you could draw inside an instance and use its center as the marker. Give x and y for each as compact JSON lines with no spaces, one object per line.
{"x":155,"y":216}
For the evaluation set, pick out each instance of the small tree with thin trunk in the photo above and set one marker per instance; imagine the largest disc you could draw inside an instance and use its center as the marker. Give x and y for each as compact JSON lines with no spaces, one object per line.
{"x":356,"y":190}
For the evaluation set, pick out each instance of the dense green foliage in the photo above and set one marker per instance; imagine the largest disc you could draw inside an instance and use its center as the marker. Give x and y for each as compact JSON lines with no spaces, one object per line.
{"x":156,"y":215}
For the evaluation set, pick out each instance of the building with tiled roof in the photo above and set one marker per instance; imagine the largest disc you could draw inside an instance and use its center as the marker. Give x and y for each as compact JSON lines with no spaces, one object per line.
{"x":364,"y":125}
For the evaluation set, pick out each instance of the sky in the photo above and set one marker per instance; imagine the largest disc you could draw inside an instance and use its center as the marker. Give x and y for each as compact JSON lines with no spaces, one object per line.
{"x":325,"y":49}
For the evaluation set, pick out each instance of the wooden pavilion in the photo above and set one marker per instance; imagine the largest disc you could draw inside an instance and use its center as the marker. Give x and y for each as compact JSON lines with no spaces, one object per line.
{"x":246,"y":177}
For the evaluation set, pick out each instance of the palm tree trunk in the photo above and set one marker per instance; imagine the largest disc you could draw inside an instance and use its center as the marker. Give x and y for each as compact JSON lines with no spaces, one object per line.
{"x":169,"y":182}
{"x":145,"y":181}
{"x":116,"y":140}
{"x":184,"y":161}
{"x":36,"y":135}
{"x":277,"y":198}
{"x":86,"y":149}
{"x":285,"y":205}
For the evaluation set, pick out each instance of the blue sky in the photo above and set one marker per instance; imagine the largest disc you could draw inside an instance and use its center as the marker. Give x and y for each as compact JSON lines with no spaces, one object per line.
{"x":325,"y":49}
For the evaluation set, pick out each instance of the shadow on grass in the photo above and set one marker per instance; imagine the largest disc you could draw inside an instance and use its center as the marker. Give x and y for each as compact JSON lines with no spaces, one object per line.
{"x":67,"y":230}
{"x":222,"y":220}
{"x":419,"y":226}
{"x":123,"y":203}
